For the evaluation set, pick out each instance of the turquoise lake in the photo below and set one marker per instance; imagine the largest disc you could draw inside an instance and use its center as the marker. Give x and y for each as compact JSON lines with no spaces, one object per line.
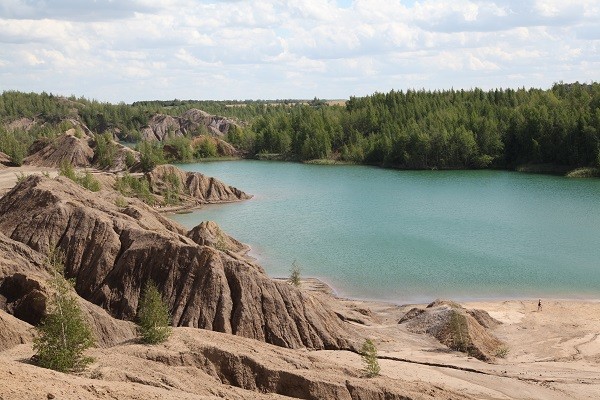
{"x":413,"y":236}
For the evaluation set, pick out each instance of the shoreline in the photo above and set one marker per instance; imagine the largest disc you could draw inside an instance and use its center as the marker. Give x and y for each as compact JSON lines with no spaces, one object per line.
{"x":321,"y":285}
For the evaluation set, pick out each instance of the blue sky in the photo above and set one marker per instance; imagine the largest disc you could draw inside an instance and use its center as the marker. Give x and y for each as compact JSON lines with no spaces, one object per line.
{"x":128,"y":50}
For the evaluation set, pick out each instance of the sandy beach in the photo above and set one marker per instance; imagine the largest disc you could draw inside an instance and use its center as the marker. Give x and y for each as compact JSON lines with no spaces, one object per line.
{"x":552,"y":354}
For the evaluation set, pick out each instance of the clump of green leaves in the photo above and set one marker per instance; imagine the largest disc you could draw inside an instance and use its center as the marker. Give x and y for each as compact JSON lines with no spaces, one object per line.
{"x":151,"y":155}
{"x":368,"y":353}
{"x":206,"y":148}
{"x":106,"y":150}
{"x":86,"y":180}
{"x":295,"y":274}
{"x":130,"y":186}
{"x":502,"y":352}
{"x":153,"y":316}
{"x":63,"y":334}
{"x":459,"y":332}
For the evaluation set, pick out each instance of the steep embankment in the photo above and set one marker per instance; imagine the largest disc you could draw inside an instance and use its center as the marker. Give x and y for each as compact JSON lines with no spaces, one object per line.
{"x":192,"y":187}
{"x":113,"y":251}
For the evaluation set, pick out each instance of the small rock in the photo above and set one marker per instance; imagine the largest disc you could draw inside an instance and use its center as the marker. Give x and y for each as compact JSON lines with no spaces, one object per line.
{"x":50,"y":396}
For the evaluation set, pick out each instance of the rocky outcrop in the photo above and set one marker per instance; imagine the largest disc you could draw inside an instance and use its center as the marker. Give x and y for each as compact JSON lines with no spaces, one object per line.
{"x":192,"y":186}
{"x":456,"y":327}
{"x":193,"y":122}
{"x":65,"y":148}
{"x":113,"y":252}
{"x":13,"y":331}
{"x":24,"y":293}
{"x":208,"y":233}
{"x":4,"y":160}
{"x":161,"y":127}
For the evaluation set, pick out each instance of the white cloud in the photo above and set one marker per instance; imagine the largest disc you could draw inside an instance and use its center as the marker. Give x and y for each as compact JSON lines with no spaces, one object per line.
{"x":129,"y":50}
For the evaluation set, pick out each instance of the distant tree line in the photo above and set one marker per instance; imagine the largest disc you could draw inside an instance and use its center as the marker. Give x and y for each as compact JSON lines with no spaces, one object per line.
{"x":443,"y":129}
{"x":403,"y":129}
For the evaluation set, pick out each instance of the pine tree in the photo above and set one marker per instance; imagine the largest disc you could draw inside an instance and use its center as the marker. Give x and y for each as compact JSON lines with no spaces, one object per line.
{"x":63,"y":334}
{"x":295,"y":274}
{"x":368,"y":354}
{"x":153,"y":316}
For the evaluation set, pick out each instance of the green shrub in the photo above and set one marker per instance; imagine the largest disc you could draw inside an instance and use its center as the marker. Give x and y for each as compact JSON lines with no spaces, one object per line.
{"x":206,"y":149}
{"x":131,"y":186}
{"x":368,"y":353}
{"x":121,"y":202}
{"x":151,"y":155}
{"x":86,"y":180}
{"x":63,"y":334}
{"x":502,"y":352}
{"x":153,"y":316}
{"x":295,"y":274}
{"x":67,"y":170}
{"x":106,"y":150}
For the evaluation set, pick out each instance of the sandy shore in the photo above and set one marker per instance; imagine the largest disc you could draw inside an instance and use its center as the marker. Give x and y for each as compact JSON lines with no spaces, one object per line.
{"x":552,"y":354}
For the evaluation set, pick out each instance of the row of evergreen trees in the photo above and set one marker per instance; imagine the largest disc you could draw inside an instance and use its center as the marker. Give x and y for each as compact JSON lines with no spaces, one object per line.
{"x":412,"y":129}
{"x":443,"y":129}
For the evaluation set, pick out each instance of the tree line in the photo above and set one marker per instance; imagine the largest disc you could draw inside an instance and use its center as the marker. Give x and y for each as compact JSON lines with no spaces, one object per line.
{"x":420,"y":129}
{"x":443,"y":129}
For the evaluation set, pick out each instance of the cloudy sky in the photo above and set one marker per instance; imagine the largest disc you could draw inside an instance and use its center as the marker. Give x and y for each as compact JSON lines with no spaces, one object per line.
{"x":127,"y":50}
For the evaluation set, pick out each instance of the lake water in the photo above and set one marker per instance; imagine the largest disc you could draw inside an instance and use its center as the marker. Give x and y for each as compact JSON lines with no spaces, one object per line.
{"x":413,"y":236}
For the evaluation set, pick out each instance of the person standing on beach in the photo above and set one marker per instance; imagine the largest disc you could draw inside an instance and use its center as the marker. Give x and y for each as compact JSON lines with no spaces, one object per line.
{"x":540,"y":305}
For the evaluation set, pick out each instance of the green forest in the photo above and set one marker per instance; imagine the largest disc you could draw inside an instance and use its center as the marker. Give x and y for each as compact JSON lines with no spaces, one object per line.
{"x":414,"y":129}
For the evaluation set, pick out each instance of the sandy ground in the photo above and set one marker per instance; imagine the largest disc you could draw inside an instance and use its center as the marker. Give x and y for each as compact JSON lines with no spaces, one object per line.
{"x":10,"y":175}
{"x":553,"y":354}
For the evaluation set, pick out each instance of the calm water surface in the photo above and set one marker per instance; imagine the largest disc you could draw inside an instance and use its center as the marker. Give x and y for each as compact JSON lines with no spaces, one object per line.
{"x":416,"y":235}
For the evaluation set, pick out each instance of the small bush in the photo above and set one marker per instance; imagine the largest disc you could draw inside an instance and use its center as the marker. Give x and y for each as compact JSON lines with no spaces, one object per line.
{"x":121,"y":202}
{"x":63,"y":334}
{"x":502,"y":352}
{"x":368,"y":353}
{"x":20,"y":177}
{"x":86,"y":180}
{"x":295,"y":274}
{"x":153,"y":316}
{"x":106,"y":150}
{"x":131,"y":186}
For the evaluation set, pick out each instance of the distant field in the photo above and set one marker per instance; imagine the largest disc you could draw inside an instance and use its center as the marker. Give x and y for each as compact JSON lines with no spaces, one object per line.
{"x":337,"y":102}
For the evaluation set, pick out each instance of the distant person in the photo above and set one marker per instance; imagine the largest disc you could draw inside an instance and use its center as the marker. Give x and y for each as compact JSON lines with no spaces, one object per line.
{"x":540,"y":305}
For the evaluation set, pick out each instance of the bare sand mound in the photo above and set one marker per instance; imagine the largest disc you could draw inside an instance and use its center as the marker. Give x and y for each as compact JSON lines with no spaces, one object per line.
{"x":456,"y":327}
{"x":65,"y":148}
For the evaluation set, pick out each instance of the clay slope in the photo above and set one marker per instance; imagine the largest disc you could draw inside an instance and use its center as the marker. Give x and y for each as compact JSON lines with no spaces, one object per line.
{"x":192,"y":122}
{"x":456,"y":327}
{"x":194,"y":186}
{"x":24,"y":292}
{"x":65,"y":148}
{"x":113,"y":252}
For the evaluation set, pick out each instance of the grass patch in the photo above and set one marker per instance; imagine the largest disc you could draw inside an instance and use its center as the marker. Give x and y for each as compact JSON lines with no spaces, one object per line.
{"x":86,"y":180}
{"x":130,"y":186}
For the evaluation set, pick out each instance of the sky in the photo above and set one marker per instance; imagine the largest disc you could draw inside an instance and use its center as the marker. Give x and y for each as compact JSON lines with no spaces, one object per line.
{"x":128,"y":50}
